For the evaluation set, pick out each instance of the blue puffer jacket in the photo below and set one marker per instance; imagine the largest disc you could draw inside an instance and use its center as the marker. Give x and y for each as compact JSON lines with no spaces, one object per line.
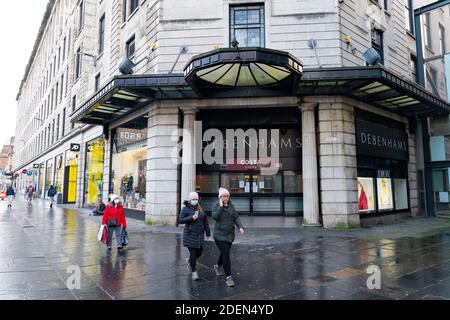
{"x":194,"y":230}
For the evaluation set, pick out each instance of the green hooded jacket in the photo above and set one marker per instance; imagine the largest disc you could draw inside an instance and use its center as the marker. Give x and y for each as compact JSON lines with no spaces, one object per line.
{"x":226,"y":218}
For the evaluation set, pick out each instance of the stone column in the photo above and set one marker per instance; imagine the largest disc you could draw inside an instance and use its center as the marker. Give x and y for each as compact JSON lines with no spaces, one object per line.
{"x":309,"y":169}
{"x":338,"y":165}
{"x":163,"y":192}
{"x":188,"y":167}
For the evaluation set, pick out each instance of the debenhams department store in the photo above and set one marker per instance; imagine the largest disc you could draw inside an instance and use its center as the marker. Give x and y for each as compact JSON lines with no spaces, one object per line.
{"x":348,"y":140}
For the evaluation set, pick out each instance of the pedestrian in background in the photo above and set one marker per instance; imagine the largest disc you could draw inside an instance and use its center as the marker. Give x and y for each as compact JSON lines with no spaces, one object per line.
{"x":114,"y":219}
{"x":29,"y":191}
{"x":51,"y":195}
{"x":10,"y":193}
{"x":226,"y":217}
{"x":195,"y":228}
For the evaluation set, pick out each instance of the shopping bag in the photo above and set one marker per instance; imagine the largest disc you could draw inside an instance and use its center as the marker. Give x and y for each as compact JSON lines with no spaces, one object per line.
{"x":100,"y":233}
{"x":124,"y":237}
{"x":105,"y":236}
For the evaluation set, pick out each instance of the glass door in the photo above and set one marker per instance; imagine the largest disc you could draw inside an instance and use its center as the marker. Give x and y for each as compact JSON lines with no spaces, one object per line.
{"x":441,"y":183}
{"x":266,"y":195}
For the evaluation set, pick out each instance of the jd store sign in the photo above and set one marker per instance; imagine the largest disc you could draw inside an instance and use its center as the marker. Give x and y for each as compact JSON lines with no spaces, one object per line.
{"x":375,"y":140}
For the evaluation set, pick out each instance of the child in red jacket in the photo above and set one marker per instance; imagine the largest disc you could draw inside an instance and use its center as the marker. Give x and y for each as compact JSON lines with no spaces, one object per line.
{"x":115,"y":221}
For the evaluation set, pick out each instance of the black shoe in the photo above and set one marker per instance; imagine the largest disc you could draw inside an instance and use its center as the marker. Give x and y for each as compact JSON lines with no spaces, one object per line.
{"x":109,"y":248}
{"x":119,"y":248}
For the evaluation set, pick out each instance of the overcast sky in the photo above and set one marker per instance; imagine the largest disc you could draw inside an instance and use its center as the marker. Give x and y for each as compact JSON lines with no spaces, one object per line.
{"x":18,"y":31}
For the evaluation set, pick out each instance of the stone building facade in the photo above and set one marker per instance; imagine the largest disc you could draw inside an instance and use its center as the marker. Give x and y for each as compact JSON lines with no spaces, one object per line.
{"x":76,"y":58}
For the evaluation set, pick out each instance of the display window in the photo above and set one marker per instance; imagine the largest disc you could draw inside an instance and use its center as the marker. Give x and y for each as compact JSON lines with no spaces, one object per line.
{"x":59,"y":173}
{"x":71,"y":173}
{"x":129,"y":167}
{"x":382,"y":186}
{"x":41,"y":178}
{"x":93,"y":188}
{"x":48,"y":175}
{"x":366,"y":195}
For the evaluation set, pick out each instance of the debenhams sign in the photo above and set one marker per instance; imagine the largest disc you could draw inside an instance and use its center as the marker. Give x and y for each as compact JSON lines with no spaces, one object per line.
{"x":379,"y":141}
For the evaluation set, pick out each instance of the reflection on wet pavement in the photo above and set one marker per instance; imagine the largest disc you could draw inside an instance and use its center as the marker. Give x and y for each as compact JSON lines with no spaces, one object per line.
{"x":38,"y":245}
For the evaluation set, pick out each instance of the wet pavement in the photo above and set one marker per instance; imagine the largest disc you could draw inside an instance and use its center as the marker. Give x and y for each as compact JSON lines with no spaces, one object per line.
{"x":38,"y":245}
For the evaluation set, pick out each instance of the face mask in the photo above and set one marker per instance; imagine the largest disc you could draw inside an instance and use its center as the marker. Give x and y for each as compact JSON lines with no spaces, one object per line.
{"x":116,"y":201}
{"x":194,"y":202}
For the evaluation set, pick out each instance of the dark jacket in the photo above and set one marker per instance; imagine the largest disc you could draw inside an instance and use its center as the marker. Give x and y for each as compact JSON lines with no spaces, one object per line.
{"x":52,"y":192}
{"x":10,"y":192}
{"x":101,"y":208}
{"x":226,"y":218}
{"x":194,"y":230}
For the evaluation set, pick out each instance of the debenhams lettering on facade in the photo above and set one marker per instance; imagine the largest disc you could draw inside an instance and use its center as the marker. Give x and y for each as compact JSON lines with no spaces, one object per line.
{"x":379,"y":141}
{"x":374,"y":140}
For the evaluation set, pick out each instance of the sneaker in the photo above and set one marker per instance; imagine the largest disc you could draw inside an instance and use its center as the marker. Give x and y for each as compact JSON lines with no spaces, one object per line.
{"x":218,"y":271}
{"x":195,"y":276}
{"x":188,"y":265}
{"x":230,"y":281}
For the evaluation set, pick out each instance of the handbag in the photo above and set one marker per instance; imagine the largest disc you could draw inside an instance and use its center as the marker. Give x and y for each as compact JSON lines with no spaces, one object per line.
{"x":112,"y":223}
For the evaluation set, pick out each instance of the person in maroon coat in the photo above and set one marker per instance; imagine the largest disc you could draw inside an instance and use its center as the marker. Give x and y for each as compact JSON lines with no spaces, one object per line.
{"x":114,"y":219}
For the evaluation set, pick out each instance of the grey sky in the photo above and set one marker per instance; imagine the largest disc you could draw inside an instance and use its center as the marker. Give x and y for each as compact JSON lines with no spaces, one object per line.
{"x":18,"y":31}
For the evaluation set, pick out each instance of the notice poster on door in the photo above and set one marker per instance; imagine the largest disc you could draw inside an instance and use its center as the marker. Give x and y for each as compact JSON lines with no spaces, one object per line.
{"x":366,"y":195}
{"x":384,"y":187}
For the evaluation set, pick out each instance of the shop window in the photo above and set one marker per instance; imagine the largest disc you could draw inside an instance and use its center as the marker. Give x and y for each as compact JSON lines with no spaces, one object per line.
{"x":59,"y":173}
{"x":129,"y":166}
{"x":95,"y":152}
{"x":70,"y":179}
{"x":247,"y":25}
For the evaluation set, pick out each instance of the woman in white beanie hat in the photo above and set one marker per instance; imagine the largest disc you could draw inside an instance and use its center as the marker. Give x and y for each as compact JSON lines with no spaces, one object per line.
{"x":226,"y":217}
{"x":196,"y":227}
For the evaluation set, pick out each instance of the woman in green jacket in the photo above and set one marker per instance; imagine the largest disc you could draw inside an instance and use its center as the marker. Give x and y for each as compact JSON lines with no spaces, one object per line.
{"x":226,"y":217}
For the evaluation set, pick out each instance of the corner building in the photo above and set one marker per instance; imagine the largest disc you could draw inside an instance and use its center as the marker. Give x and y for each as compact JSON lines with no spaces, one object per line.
{"x":350,"y":134}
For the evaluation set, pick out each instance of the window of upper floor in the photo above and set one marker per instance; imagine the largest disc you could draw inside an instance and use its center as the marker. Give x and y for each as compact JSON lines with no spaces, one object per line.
{"x":377,"y":43}
{"x":101,"y":35}
{"x":441,"y":32}
{"x":130,"y":47}
{"x":129,"y":7}
{"x":247,"y":25}
{"x":80,"y":16}
{"x":427,"y":31}
{"x":409,"y":16}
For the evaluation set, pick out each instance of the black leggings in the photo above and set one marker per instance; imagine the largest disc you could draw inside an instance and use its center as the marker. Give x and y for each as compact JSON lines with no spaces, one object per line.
{"x":195,"y":253}
{"x":224,"y":258}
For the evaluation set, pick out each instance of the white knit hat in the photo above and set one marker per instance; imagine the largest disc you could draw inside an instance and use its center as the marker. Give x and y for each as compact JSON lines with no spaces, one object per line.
{"x":193,"y":195}
{"x":113,"y":197}
{"x":223,"y":191}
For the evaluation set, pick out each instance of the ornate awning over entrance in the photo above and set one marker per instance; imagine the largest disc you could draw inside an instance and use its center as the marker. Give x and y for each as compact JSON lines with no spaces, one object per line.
{"x":376,"y":86}
{"x":257,"y":72}
{"x":231,"y":71}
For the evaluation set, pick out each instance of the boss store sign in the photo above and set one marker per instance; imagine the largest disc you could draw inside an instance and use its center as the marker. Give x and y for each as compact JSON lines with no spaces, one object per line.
{"x":375,"y":140}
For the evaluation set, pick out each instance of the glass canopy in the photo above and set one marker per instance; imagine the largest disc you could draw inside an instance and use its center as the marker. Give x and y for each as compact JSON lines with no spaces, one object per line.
{"x":246,"y":67}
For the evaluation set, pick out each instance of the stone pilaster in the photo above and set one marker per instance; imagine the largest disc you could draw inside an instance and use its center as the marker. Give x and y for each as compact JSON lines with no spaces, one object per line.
{"x":163,"y":192}
{"x":106,"y":169}
{"x":338,"y":166}
{"x":188,"y":167}
{"x":310,"y":175}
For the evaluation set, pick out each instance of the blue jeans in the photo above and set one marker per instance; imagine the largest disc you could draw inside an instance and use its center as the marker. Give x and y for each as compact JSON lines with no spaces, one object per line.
{"x":117,"y":230}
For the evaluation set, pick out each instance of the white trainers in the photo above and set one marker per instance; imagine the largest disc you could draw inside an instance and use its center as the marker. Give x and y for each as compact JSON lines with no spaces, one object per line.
{"x":230,"y":281}
{"x":195,"y":276}
{"x":219,"y":272}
